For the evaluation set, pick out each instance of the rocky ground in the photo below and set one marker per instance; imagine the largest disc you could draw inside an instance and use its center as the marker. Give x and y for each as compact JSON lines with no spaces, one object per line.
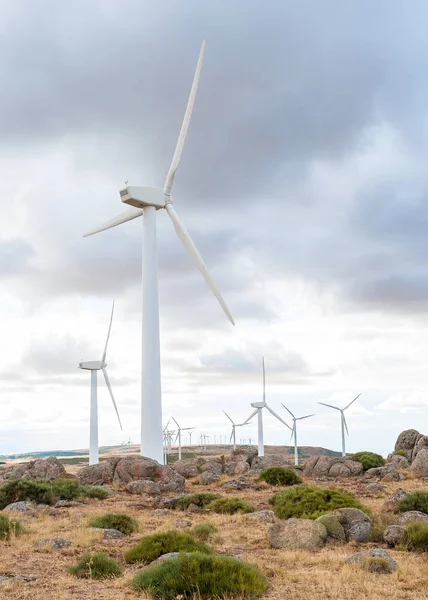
{"x":146,"y":491}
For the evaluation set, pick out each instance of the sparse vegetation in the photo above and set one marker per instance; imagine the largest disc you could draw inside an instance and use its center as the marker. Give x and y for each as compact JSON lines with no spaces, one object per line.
{"x":400,"y":453}
{"x":119,"y":521}
{"x":376,"y":564}
{"x":280,"y":476}
{"x":369,"y":460}
{"x":310,"y":502}
{"x":202,"y":500}
{"x":230,"y":506}
{"x":9,"y":528}
{"x":201,"y":576}
{"x":96,"y":566}
{"x":153,"y":546}
{"x":416,"y":501}
{"x":42,"y":491}
{"x":203,"y":531}
{"x":417,"y":536}
{"x":379,"y":523}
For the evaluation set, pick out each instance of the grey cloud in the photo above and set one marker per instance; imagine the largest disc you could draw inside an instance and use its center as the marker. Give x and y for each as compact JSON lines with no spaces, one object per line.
{"x":15,"y":257}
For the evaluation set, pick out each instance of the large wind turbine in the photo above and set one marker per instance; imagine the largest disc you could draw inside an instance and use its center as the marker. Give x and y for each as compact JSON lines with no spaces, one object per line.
{"x":234,"y":426}
{"x":342,"y":420}
{"x":259,"y":406}
{"x":93,"y":366}
{"x":294,"y":431}
{"x":145,"y":201}
{"x":180,"y":429}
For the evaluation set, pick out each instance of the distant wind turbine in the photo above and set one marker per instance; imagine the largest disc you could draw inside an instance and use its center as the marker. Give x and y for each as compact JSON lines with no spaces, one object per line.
{"x":93,"y":366}
{"x":342,"y":420}
{"x":180,"y":429}
{"x":259,"y":406}
{"x":234,"y":426}
{"x":145,"y":202}
{"x":294,"y":431}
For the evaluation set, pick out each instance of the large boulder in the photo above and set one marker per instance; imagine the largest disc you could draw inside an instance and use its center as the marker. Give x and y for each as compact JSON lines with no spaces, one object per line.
{"x":406,"y":441}
{"x":213,"y":466}
{"x":398,"y":462}
{"x":170,"y":481}
{"x":335,"y":531}
{"x":411,"y":516}
{"x":237,"y":468}
{"x":297,"y":534}
{"x":363,"y":558}
{"x":386,"y":473}
{"x":208,"y":477}
{"x":99,"y":474}
{"x":355,"y":523}
{"x":331,"y":466}
{"x":395,"y":535}
{"x":420,"y":444}
{"x":186,"y":467}
{"x":132,"y":468}
{"x":243,"y":454}
{"x":420,"y":463}
{"x":392,"y":504}
{"x":143,"y":486}
{"x":270,"y":460}
{"x":49,"y":468}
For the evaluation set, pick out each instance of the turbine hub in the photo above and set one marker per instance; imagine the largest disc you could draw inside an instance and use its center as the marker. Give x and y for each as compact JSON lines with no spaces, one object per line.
{"x":141,"y":197}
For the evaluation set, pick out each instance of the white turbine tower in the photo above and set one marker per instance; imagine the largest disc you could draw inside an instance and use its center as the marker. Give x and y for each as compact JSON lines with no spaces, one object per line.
{"x":93,"y":366}
{"x":234,"y":426}
{"x":145,"y":201}
{"x":180,"y":429}
{"x":259,"y":406}
{"x":342,"y":420}
{"x":294,"y":431}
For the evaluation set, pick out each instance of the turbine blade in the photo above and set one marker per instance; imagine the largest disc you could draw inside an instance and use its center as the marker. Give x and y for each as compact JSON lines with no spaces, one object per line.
{"x":185,"y":125}
{"x":175,"y":422}
{"x":330,"y":406}
{"x":128,"y":215}
{"x":251,"y":416}
{"x":176,"y":437}
{"x":305,"y":417}
{"x":348,"y":405}
{"x":197,"y":258}
{"x":228,"y":417}
{"x":288,"y":410}
{"x":108,"y":334}
{"x":166,"y":426}
{"x":264,"y":379}
{"x":112,"y":397}
{"x":278,"y":417}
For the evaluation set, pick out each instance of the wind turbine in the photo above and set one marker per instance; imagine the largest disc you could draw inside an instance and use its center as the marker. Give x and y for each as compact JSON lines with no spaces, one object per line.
{"x":144,"y":202}
{"x":259,"y":406}
{"x":294,"y":431}
{"x":342,"y":420}
{"x":93,"y":366}
{"x":180,"y":429}
{"x":234,"y":426}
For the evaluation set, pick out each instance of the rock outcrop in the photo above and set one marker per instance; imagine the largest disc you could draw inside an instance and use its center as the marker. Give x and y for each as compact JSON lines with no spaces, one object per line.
{"x":49,"y":468}
{"x":260,"y":463}
{"x":415,"y":446}
{"x":297,"y":534}
{"x":332,"y":466}
{"x":355,"y":523}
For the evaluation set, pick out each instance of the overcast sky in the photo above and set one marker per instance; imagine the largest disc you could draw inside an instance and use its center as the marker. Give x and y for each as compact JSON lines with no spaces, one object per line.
{"x":303,"y":182}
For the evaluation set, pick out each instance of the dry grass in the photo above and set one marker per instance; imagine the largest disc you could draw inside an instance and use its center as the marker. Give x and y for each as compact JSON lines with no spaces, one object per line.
{"x":300,"y":575}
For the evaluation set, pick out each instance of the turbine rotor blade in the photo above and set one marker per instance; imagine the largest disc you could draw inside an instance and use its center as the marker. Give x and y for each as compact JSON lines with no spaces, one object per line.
{"x":251,"y":416}
{"x":188,"y":244}
{"x":330,"y":406}
{"x":305,"y":417}
{"x":278,"y":417}
{"x":111,"y":394}
{"x":228,"y":417}
{"x":185,"y":125}
{"x":108,"y":334}
{"x":264,"y":379}
{"x":287,"y":410}
{"x":348,"y":405}
{"x":175,"y":422}
{"x":128,"y":215}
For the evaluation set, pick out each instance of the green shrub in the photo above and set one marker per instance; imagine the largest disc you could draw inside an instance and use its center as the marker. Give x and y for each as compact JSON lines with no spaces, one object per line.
{"x":417,"y":536}
{"x":201,"y":576}
{"x":376,"y":564}
{"x":416,"y":501}
{"x":153,"y":546}
{"x":96,"y":566}
{"x":90,"y":491}
{"x":230,"y":506}
{"x":119,"y":521}
{"x":203,"y":531}
{"x":9,"y":528}
{"x":310,"y":502}
{"x":42,"y":491}
{"x":201,"y":500}
{"x":400,"y":453}
{"x":280,"y":476}
{"x":369,"y":460}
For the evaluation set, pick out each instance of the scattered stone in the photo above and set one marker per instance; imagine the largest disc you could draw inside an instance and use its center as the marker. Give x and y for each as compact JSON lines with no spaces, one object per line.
{"x":395,"y":535}
{"x":164,"y":557}
{"x":67,"y":503}
{"x":23,"y":507}
{"x":208,"y":477}
{"x":360,"y":557}
{"x":193,"y":508}
{"x":79,"y":515}
{"x":332,"y":466}
{"x":241,"y":483}
{"x":109,"y":534}
{"x":297,"y":534}
{"x":162,"y":512}
{"x":165,"y":502}
{"x":183,"y":524}
{"x":267,"y":516}
{"x":355,"y":522}
{"x":411,"y":516}
{"x":25,"y":578}
{"x":54,"y":543}
{"x":335,"y":531}
{"x":143,"y":486}
{"x":392,"y":503}
{"x":375,"y":488}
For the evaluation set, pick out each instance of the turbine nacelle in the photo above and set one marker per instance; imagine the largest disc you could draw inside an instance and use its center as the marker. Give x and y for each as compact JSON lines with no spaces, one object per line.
{"x":93,"y":365}
{"x":259,"y":404}
{"x":141,"y":197}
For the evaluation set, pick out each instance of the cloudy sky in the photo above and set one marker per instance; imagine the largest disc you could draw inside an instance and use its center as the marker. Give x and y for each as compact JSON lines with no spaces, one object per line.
{"x":304,"y":183}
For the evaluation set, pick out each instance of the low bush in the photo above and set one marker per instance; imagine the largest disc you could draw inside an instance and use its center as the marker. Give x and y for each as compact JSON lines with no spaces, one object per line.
{"x":400,"y":453}
{"x":203,"y":531}
{"x":417,"y":536}
{"x":9,"y":528}
{"x":90,"y":491}
{"x":201,"y":500}
{"x":376,"y":564}
{"x":310,"y":502}
{"x":201,"y":576}
{"x":369,"y":460}
{"x":416,"y":501}
{"x":119,"y":521}
{"x":153,"y":546}
{"x":230,"y":506}
{"x":280,"y":476}
{"x":96,"y":566}
{"x":42,"y":491}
